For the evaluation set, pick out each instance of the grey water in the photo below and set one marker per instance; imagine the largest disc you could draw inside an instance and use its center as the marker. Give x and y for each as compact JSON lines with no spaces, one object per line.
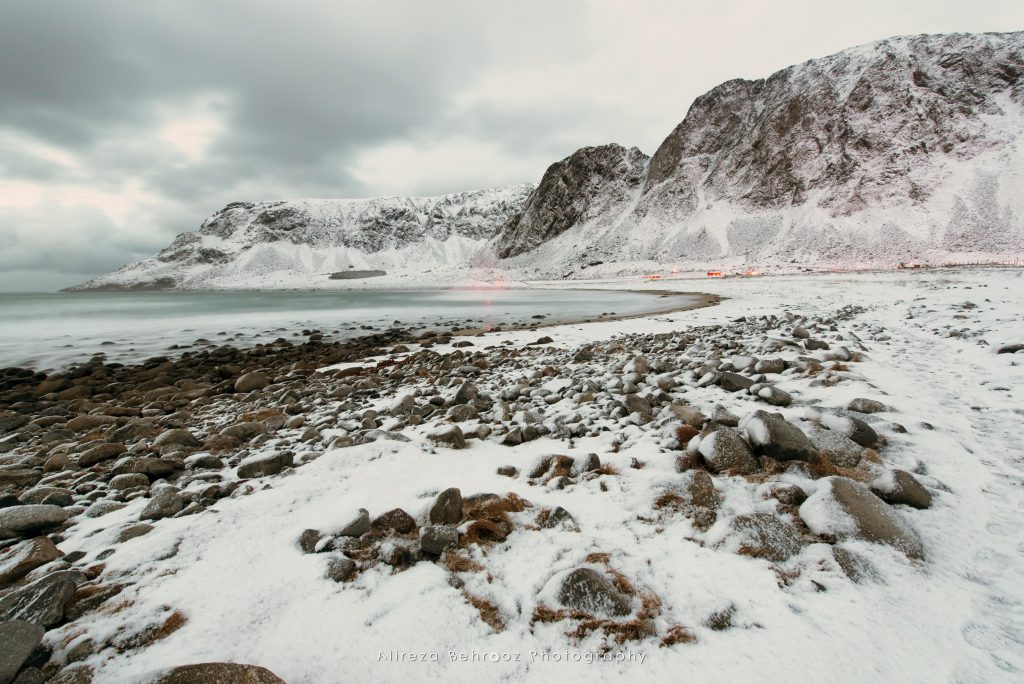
{"x":50,"y":331}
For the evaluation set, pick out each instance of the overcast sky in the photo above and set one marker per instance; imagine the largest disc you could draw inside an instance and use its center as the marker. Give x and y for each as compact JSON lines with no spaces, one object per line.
{"x":125,"y":123}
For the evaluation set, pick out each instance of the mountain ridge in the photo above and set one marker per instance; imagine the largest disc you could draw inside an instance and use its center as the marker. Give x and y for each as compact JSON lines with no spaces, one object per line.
{"x":903,"y":149}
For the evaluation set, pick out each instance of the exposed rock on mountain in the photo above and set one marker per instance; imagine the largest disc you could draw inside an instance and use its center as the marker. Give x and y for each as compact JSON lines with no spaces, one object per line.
{"x":895,"y":150}
{"x":301,"y":243}
{"x":584,"y":186}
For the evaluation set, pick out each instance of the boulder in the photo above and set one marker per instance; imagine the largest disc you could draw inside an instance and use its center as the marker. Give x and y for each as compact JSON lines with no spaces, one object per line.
{"x":244,"y":431}
{"x":447,"y":508}
{"x":763,"y":535}
{"x":724,"y":449}
{"x":102,"y":451}
{"x":24,"y":521}
{"x":900,"y":487}
{"x":435,"y":539}
{"x":847,"y":425}
{"x":774,"y":396}
{"x":734,"y":382}
{"x":396,"y":520}
{"x":700,"y":489}
{"x":848,"y":510}
{"x":129,"y":481}
{"x":770,"y":366}
{"x":773,"y":436}
{"x":21,"y":559}
{"x":559,"y":517}
{"x":88,"y":422}
{"x":41,"y":602}
{"x":18,"y":639}
{"x":862,"y":405}
{"x":164,"y":502}
{"x":451,"y":437}
{"x":590,"y":591}
{"x":839,"y":449}
{"x":357,"y":525}
{"x":251,"y":381}
{"x":176,"y":436}
{"x":213,"y":673}
{"x":261,"y":466}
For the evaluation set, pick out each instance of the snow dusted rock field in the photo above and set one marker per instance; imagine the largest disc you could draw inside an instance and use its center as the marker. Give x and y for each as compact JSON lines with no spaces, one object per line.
{"x":818,"y":479}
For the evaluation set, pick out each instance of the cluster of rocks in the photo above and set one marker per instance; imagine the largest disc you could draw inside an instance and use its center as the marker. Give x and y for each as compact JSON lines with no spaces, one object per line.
{"x":88,"y":441}
{"x":183,"y":434}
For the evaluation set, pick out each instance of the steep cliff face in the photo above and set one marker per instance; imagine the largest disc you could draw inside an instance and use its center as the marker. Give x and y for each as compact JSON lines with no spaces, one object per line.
{"x":585,"y":186}
{"x":300,"y":243}
{"x":889,"y":151}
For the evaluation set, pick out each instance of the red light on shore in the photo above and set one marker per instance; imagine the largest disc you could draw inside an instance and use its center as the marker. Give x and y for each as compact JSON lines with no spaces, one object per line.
{"x":653,"y":276}
{"x":714,"y":274}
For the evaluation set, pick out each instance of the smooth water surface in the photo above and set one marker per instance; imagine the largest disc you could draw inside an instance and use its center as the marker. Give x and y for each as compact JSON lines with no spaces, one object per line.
{"x":46,"y":331}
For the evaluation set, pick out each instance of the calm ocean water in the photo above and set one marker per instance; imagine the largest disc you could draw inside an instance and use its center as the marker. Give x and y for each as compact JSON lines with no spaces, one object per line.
{"x":46,"y":331}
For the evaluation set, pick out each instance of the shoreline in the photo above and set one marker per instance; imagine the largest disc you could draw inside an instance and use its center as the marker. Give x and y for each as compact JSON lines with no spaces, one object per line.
{"x":697,"y":300}
{"x":467,"y":480}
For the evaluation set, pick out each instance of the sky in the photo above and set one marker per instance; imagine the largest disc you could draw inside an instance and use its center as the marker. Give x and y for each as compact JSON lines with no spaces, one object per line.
{"x":123,"y":124}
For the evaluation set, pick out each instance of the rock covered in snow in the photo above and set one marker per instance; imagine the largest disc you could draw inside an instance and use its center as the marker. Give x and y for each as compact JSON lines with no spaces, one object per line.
{"x":588,"y":590}
{"x":846,"y":509}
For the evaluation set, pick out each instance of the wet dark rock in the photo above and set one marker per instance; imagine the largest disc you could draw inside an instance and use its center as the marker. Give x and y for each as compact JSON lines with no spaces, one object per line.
{"x":447,"y":508}
{"x":396,"y":520}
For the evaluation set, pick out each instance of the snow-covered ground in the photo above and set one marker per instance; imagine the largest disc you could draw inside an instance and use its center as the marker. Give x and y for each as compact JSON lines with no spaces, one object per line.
{"x":250,"y":595}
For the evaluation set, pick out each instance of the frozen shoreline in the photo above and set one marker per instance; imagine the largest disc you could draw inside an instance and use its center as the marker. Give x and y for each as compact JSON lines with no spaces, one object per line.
{"x":249,"y":595}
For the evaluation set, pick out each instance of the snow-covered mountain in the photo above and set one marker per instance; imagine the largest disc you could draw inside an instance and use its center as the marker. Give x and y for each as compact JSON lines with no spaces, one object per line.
{"x":899,"y":150}
{"x":906,"y":149}
{"x":302,"y":243}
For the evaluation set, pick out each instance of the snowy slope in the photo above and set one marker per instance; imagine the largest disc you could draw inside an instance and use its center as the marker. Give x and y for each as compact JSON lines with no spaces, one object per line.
{"x":250,"y":595}
{"x":300,"y":243}
{"x":900,"y":150}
